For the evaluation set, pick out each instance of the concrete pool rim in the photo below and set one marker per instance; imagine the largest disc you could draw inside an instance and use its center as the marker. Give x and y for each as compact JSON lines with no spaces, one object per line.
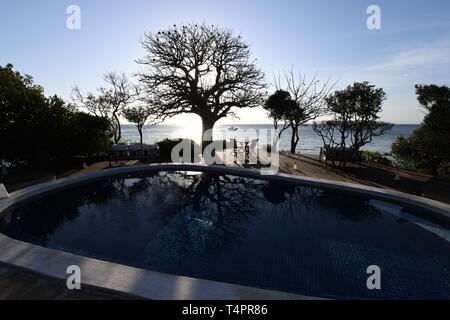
{"x":154,"y":285}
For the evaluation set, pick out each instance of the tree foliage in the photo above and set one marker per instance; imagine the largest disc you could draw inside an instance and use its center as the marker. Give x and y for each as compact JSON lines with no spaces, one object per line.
{"x":199,"y":69}
{"x":355,"y":121}
{"x":42,"y":131}
{"x":138,"y":115}
{"x":281,"y":108}
{"x":428,"y":148}
{"x":109,"y":101}
{"x":309,"y":101}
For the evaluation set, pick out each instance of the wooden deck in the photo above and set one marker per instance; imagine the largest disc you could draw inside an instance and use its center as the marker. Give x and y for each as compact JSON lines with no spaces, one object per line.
{"x":104,"y":165}
{"x":299,"y":165}
{"x":229,"y":160}
{"x":367,"y":174}
{"x":310,"y":167}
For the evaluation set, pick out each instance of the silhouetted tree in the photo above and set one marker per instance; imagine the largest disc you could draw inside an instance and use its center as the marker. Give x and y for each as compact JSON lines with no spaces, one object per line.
{"x":137,"y":115}
{"x":309,"y":96}
{"x":109,"y":102}
{"x":428,"y":148}
{"x":199,"y":69}
{"x":42,"y":131}
{"x":280,"y":107}
{"x":355,"y":120}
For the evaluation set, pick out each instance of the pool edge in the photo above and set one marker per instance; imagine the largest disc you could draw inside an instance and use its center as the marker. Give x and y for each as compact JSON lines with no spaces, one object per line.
{"x":154,"y":285}
{"x":135,"y":282}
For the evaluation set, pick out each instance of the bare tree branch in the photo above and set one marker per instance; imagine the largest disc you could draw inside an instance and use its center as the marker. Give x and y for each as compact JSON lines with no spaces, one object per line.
{"x":309,"y":96}
{"x":199,"y":69}
{"x":110,"y":101}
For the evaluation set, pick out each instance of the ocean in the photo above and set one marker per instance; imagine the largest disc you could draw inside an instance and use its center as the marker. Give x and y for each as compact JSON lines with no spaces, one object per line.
{"x":310,"y":142}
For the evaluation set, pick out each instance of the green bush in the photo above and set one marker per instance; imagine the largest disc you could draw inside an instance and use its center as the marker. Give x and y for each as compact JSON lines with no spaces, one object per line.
{"x":428,"y":148}
{"x":166,"y":146}
{"x":375,"y":157}
{"x":444,"y":167}
{"x":44,"y":132}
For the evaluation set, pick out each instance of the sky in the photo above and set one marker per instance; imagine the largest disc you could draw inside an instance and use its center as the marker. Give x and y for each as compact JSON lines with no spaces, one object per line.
{"x":330,"y":38}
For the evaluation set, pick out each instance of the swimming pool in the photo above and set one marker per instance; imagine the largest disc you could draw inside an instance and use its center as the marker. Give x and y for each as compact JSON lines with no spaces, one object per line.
{"x":256,"y":232}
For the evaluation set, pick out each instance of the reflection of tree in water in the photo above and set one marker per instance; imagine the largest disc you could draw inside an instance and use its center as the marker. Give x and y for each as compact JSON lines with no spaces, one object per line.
{"x":291,"y":200}
{"x":350,"y":206}
{"x":39,"y":220}
{"x":204,"y":214}
{"x":211,"y":217}
{"x":277,"y":192}
{"x":204,"y":211}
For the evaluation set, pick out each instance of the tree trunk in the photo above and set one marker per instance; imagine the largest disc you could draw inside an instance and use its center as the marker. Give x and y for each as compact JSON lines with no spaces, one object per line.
{"x":118,"y":130}
{"x":293,"y":142}
{"x":294,"y":138}
{"x":207,"y":124}
{"x":140,"y":133}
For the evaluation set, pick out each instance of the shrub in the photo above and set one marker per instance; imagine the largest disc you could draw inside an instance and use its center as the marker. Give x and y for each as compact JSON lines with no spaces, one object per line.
{"x":444,"y":168}
{"x":375,"y":157}
{"x":166,"y":146}
{"x":41,"y":131}
{"x":428,"y":148}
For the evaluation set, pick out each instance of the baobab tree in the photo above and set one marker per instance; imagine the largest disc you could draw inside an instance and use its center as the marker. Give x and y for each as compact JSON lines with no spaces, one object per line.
{"x":199,"y":69}
{"x":309,"y":95}
{"x":109,"y":102}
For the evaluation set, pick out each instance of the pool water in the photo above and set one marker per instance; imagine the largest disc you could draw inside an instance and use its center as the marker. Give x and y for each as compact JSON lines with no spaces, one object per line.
{"x":265,"y":234}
